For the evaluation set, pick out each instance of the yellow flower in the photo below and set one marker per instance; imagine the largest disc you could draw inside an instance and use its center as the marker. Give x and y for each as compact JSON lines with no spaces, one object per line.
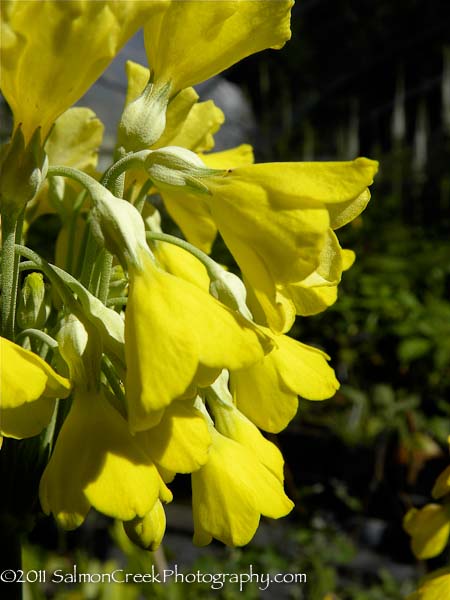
{"x":267,"y":393}
{"x":232,"y":491}
{"x":276,"y":220}
{"x":97,"y":462}
{"x":176,"y":337}
{"x":29,"y":387}
{"x":52,"y":52}
{"x":188,"y":42}
{"x":429,"y":529}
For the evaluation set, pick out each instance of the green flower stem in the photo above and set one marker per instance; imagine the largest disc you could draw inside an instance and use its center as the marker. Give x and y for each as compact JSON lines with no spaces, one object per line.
{"x":129,"y":161}
{"x":85,"y":180}
{"x":113,"y":380}
{"x":90,"y":254}
{"x":214,"y":271}
{"x":142,"y":196}
{"x":11,"y":232}
{"x":38,"y":334}
{"x":105,"y":275}
{"x":78,"y":267}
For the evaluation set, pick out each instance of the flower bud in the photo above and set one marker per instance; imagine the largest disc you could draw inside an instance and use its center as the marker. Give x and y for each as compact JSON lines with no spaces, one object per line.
{"x":117,"y":224}
{"x":173,"y":167}
{"x":144,"y":119}
{"x":34,"y":304}
{"x":148,"y":531}
{"x":230,"y":290}
{"x":81,"y":352}
{"x":22,"y":172}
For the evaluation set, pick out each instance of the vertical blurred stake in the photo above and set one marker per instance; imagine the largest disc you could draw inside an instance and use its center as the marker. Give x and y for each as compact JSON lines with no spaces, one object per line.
{"x":420,"y":146}
{"x":353,"y":130}
{"x":446,"y":90}
{"x":398,"y":133}
{"x":445,"y":94}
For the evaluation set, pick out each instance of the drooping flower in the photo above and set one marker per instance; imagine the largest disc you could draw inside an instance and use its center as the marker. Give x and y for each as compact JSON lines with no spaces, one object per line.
{"x":108,"y":471}
{"x":429,"y":529}
{"x":276,"y":220}
{"x":29,"y":387}
{"x":176,"y":337}
{"x":232,"y":491}
{"x":267,"y":392}
{"x":187,"y":44}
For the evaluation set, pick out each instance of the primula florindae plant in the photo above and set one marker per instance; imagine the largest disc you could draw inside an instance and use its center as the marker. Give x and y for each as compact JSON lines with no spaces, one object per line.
{"x":133,"y":356}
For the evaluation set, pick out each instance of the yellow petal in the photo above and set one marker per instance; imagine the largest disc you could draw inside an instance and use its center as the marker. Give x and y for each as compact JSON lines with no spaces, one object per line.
{"x":429,"y":529}
{"x":26,"y":377}
{"x":197,"y":130}
{"x":75,"y":140}
{"x":319,"y":290}
{"x":434,"y":587}
{"x":231,"y":492}
{"x":240,"y":156}
{"x":192,"y":215}
{"x":187,"y":44}
{"x":62,"y":48}
{"x":180,"y":442}
{"x":442,"y":484}
{"x":26,"y":420}
{"x":180,"y":262}
{"x":172,"y":328}
{"x":230,"y":422}
{"x":107,"y":469}
{"x":267,"y":392}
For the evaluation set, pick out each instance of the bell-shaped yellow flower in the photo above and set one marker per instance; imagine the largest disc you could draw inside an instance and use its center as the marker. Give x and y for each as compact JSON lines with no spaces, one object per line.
{"x":275,"y":219}
{"x":52,"y":52}
{"x":232,"y":491}
{"x":187,"y":44}
{"x":267,"y":393}
{"x":429,"y":529}
{"x":29,"y":387}
{"x":97,"y":462}
{"x":177,"y":336}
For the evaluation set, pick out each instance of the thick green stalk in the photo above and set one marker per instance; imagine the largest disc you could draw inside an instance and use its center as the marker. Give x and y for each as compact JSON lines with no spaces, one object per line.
{"x":11,"y":231}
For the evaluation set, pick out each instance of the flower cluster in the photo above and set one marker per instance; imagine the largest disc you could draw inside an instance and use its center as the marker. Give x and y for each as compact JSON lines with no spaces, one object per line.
{"x":429,"y":528}
{"x":137,"y":356}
